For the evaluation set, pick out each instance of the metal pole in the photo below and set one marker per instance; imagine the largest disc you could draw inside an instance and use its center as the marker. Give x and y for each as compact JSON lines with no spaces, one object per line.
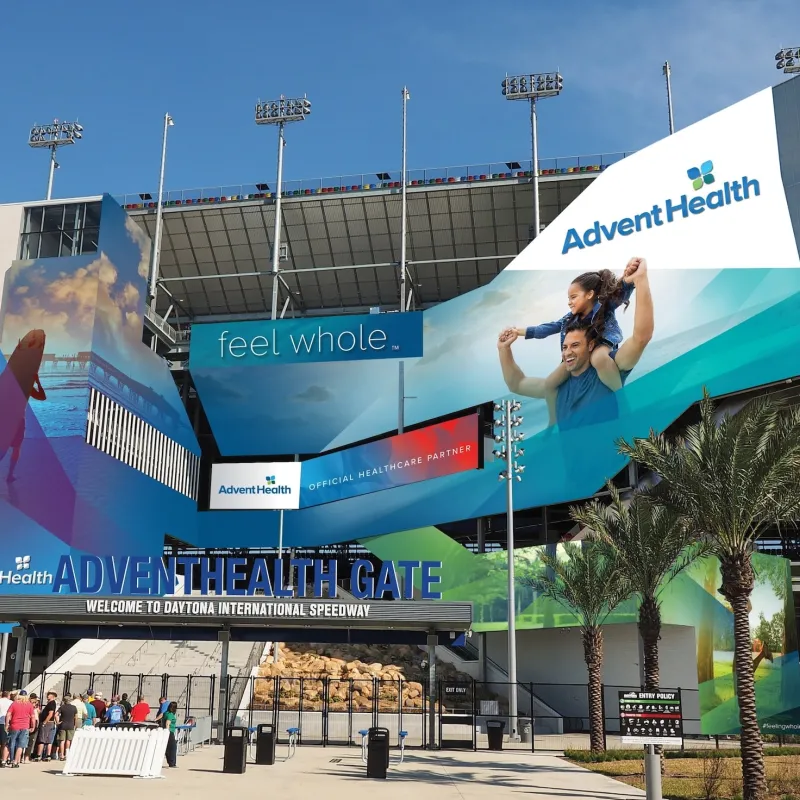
{"x":535,"y":169}
{"x":401,"y":382}
{"x":52,"y":172}
{"x":156,"y":254}
{"x":3,"y":658}
{"x":433,"y":640}
{"x":667,"y":72}
{"x":276,"y":647}
{"x":652,"y":773}
{"x":276,"y":238}
{"x":223,"y":684}
{"x":512,"y":599}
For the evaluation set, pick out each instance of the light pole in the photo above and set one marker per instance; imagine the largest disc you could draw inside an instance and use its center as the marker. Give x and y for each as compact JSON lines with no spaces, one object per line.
{"x":280,"y":112}
{"x":53,"y":136}
{"x":401,"y":383}
{"x":533,"y":87}
{"x":788,"y":59}
{"x":156,"y":252}
{"x":509,"y":451}
{"x":667,"y":73}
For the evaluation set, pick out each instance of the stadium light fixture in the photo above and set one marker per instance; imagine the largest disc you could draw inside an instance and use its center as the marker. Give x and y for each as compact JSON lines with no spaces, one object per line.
{"x":57,"y":134}
{"x":280,"y":112}
{"x":788,"y":59}
{"x":509,"y":452}
{"x":537,"y":86}
{"x":156,"y":251}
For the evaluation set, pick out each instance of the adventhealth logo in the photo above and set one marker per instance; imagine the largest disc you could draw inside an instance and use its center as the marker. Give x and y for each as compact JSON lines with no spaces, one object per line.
{"x":669,"y":210}
{"x":268,"y":487}
{"x":701,"y":177}
{"x":24,"y":575}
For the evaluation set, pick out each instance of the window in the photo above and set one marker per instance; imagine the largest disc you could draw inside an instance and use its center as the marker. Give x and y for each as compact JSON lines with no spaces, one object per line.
{"x":60,"y":230}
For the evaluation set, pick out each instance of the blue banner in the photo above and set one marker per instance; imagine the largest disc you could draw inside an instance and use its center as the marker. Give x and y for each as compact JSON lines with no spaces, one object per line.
{"x":366,"y":337}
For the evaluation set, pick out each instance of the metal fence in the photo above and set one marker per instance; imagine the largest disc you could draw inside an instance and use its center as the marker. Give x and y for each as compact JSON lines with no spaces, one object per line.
{"x":333,"y":711}
{"x":194,"y":694}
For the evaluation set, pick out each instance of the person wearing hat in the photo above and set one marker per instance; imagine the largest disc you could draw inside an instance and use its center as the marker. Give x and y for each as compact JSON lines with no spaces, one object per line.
{"x":47,"y":728}
{"x":66,"y":721}
{"x":20,"y":723}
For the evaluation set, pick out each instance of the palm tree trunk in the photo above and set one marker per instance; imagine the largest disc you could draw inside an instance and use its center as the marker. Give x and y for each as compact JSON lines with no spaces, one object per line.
{"x":593,"y":654}
{"x":737,"y":585}
{"x":650,"y":631}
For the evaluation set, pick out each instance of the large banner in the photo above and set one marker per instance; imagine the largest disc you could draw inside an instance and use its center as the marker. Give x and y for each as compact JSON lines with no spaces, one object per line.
{"x":676,"y":270}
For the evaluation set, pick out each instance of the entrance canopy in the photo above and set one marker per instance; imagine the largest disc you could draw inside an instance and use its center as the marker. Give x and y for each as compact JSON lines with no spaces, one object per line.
{"x":199,"y":618}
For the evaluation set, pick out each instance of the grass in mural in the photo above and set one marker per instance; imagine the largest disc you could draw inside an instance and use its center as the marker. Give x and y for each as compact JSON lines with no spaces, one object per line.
{"x":690,"y":778}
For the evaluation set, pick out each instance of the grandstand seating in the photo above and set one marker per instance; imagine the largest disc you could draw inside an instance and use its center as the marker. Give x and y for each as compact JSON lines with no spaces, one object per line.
{"x":202,"y":199}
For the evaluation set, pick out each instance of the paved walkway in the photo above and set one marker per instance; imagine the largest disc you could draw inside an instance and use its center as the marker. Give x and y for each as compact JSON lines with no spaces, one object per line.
{"x":337,"y":773}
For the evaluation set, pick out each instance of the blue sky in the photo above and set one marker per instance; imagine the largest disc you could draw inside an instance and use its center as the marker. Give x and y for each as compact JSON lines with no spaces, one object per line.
{"x":119,"y":66}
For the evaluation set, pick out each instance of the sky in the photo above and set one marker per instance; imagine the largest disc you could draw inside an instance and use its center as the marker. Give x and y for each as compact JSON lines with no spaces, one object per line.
{"x":118,"y":67}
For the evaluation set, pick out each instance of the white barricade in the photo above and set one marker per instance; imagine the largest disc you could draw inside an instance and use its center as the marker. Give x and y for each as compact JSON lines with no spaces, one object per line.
{"x":136,"y":752}
{"x":201,"y":733}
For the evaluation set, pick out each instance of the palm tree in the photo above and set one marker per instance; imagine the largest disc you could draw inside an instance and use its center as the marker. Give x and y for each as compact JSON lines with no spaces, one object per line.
{"x":587,"y":583}
{"x":732,"y":479}
{"x":651,"y":545}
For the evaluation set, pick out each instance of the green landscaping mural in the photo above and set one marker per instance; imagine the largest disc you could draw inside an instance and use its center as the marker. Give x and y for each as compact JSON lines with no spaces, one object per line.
{"x":692,"y":599}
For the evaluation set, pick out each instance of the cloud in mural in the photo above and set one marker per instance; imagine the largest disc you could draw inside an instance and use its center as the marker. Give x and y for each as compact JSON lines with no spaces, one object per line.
{"x":142,"y":241}
{"x":67,"y":306}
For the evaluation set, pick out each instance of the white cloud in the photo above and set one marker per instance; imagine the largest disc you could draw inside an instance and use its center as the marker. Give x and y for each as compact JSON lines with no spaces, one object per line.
{"x":142,"y":241}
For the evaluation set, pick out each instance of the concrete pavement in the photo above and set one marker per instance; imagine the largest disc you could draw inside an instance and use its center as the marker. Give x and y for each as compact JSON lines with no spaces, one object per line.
{"x":337,"y":773}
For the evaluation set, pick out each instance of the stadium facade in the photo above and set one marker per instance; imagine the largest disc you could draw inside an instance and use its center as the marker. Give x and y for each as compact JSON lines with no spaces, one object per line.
{"x":111,"y":443}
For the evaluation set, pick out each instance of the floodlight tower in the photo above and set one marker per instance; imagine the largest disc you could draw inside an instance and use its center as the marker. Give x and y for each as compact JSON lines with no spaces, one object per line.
{"x":58,"y":134}
{"x":509,"y":450}
{"x":156,"y":252}
{"x":537,"y":86}
{"x":280,"y":112}
{"x":788,"y":59}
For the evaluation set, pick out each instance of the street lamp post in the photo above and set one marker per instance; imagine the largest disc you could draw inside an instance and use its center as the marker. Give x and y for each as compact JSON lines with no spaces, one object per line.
{"x":401,"y":383}
{"x":537,"y":86}
{"x":156,"y":252}
{"x":508,"y":438}
{"x":667,"y":73}
{"x":280,"y":112}
{"x":53,"y":136}
{"x":788,"y":59}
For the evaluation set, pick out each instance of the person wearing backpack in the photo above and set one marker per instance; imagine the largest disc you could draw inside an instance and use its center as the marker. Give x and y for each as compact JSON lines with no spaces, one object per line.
{"x":115,"y":713}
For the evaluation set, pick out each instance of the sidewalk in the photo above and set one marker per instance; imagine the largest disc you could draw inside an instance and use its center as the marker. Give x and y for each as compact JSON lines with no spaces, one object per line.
{"x":337,"y":773}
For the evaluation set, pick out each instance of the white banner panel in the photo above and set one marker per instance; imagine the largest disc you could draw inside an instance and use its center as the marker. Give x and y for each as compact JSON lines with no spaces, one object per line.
{"x":270,"y":485}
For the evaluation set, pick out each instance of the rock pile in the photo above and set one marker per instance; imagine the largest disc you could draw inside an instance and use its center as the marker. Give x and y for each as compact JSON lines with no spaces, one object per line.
{"x":356,"y":674}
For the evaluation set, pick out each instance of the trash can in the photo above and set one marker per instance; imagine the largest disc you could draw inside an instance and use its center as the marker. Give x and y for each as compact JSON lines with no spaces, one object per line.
{"x":526,"y":730}
{"x":377,"y":752}
{"x":234,"y":759}
{"x":494,"y":730}
{"x":265,"y":744}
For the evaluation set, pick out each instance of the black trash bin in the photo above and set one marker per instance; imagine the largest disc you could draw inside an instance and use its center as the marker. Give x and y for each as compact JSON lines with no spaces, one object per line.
{"x":494,"y":730}
{"x":234,"y":759}
{"x":377,"y":752}
{"x":265,"y":744}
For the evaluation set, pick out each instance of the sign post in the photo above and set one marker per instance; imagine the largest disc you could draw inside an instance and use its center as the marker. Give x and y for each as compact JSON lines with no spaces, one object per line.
{"x":651,"y":718}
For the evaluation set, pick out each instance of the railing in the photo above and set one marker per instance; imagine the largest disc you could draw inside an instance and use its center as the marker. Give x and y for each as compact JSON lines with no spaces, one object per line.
{"x":365,"y":182}
{"x":159,"y":322}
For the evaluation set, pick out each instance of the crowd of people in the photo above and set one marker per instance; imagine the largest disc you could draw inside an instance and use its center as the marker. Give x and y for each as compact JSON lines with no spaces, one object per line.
{"x":35,"y":730}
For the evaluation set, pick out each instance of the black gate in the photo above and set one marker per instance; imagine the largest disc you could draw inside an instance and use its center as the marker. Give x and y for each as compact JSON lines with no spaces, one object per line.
{"x":457,"y":729}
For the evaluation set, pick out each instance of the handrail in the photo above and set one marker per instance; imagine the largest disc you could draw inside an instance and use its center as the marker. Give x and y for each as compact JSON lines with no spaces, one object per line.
{"x":366,"y":181}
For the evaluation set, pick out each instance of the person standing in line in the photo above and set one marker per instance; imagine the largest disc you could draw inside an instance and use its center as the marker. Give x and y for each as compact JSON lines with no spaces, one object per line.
{"x":5,"y":704}
{"x":125,"y":703}
{"x":141,"y":711}
{"x":163,"y":705}
{"x":115,"y":712}
{"x":20,"y":722}
{"x":65,"y":721}
{"x":29,"y":750}
{"x":170,"y":723}
{"x":80,"y":711}
{"x":99,"y":706}
{"x":47,"y":728}
{"x":91,"y":714}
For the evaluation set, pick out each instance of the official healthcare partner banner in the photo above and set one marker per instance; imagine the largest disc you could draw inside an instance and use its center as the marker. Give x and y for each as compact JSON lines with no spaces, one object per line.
{"x":432,"y":452}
